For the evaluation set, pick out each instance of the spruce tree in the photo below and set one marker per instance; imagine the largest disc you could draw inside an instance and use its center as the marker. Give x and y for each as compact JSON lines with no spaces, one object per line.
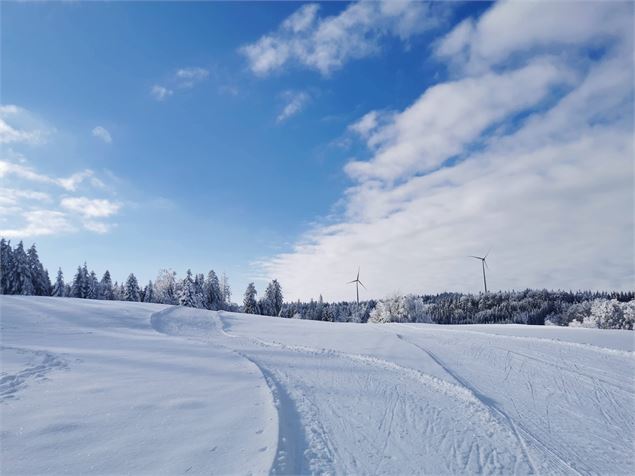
{"x":226,"y":292}
{"x":131,"y":290}
{"x":105,"y":287}
{"x":7,"y":270}
{"x":59,"y":288}
{"x":77,"y":288}
{"x":23,"y":281}
{"x":39,"y":277}
{"x":213,"y":298}
{"x":187,"y":296}
{"x":148,"y":292}
{"x":93,"y":286}
{"x":273,"y":298}
{"x":250,"y":305}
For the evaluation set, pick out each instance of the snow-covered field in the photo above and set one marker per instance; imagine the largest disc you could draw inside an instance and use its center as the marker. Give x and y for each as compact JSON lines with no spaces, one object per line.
{"x":97,"y":387}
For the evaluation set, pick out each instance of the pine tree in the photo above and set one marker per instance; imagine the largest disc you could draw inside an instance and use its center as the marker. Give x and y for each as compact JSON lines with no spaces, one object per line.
{"x":23,"y":281}
{"x":105,"y":287}
{"x":131,"y":290}
{"x":273,"y":298}
{"x":250,"y":305}
{"x":7,"y":270}
{"x":187,"y":296}
{"x":59,"y":288}
{"x":212,"y":295}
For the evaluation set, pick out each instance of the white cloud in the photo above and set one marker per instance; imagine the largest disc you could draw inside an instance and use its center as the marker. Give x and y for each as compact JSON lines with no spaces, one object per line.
{"x":69,"y":183}
{"x":40,"y":223}
{"x":103,"y":134}
{"x":90,"y":207}
{"x":188,"y":77}
{"x":12,"y":196}
{"x":19,"y":126}
{"x":97,"y":226}
{"x":449,"y":116}
{"x":541,"y":173}
{"x":295,"y":102}
{"x":522,"y":27}
{"x":183,"y":78}
{"x":160,"y":92}
{"x":325,"y":44}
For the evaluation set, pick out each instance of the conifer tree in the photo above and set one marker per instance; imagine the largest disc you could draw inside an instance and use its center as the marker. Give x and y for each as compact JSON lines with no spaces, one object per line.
{"x":213,"y":298}
{"x":23,"y":281}
{"x":93,"y":286}
{"x":273,"y":298}
{"x":59,"y":288}
{"x":105,"y":287}
{"x":187,"y":296}
{"x":6,"y":267}
{"x":131,"y":290}
{"x":77,"y":288}
{"x":226,"y":292}
{"x":148,"y":292}
{"x":250,"y":305}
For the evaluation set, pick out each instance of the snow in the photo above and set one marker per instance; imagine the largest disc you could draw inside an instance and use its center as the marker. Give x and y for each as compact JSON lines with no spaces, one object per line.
{"x":130,"y":388}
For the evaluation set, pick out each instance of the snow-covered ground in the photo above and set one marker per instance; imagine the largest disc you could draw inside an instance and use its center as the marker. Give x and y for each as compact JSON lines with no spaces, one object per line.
{"x":95,"y":387}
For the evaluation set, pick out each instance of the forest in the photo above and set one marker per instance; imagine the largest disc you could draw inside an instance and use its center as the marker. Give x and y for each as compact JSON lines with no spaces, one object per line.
{"x":22,"y":273}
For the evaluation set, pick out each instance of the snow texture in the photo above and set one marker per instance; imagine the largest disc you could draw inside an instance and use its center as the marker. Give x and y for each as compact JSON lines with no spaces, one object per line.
{"x":106,"y":387}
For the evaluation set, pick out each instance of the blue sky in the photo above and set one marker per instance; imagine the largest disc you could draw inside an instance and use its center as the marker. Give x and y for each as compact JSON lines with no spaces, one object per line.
{"x":298,"y":140}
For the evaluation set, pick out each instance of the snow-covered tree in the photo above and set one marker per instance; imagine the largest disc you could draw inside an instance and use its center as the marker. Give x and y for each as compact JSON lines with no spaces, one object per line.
{"x":131,"y":289}
{"x":273,"y":298}
{"x":39,"y":276}
{"x":79,"y":284}
{"x":105,"y":287}
{"x":250,"y":305}
{"x":187,"y":294}
{"x":6,"y":267}
{"x":59,"y":288}
{"x":93,"y":286}
{"x":22,"y":279}
{"x":212,"y":295}
{"x":148,"y":292}
{"x":117,"y":295}
{"x":226,"y":292}
{"x":392,"y":309}
{"x":165,"y":291}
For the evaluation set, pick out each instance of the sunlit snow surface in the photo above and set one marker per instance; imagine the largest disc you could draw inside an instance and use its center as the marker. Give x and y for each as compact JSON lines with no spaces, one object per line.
{"x":94,"y":387}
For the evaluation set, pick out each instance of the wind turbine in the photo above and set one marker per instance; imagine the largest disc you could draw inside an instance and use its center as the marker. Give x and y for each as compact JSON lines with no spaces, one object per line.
{"x":357,"y":283}
{"x":483,"y":264}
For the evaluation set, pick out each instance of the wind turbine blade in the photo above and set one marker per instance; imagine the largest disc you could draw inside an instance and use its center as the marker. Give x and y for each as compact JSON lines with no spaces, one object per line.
{"x":362,"y":284}
{"x":472,"y":256}
{"x":486,"y":265}
{"x":358,"y":268}
{"x":487,"y":254}
{"x":351,"y":282}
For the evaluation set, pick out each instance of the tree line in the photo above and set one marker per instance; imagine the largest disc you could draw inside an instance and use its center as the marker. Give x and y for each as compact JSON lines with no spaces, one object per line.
{"x":21,"y":272}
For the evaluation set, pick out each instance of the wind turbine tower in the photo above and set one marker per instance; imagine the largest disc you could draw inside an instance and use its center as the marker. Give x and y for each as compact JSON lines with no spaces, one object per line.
{"x":357,"y":283}
{"x":484,"y":265}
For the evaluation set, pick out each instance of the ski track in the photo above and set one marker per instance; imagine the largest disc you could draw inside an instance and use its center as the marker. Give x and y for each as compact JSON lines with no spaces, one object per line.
{"x":473,"y":408}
